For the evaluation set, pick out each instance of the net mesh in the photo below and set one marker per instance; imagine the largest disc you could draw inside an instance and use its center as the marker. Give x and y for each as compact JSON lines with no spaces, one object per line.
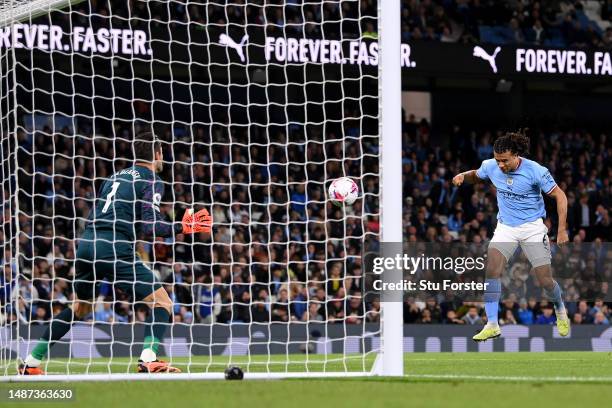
{"x":21,"y":10}
{"x":258,"y":105}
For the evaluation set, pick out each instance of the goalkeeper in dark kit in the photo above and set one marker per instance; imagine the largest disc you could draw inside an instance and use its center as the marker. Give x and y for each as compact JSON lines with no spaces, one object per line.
{"x":128,"y":202}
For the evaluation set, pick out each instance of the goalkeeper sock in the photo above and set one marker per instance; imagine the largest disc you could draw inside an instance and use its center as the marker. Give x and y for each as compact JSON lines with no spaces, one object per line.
{"x":60,"y":325}
{"x":157,"y":322}
{"x":491,"y":298}
{"x":556,"y":296}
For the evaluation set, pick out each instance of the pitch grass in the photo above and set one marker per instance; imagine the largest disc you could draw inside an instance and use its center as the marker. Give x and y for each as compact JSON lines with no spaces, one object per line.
{"x":518,"y":380}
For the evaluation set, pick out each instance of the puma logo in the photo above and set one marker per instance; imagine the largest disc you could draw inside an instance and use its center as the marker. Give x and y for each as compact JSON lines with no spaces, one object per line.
{"x":481,"y":53}
{"x":226,"y":40}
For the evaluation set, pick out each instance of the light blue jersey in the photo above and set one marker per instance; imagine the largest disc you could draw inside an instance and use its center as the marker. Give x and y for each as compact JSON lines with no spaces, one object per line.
{"x":519,"y":193}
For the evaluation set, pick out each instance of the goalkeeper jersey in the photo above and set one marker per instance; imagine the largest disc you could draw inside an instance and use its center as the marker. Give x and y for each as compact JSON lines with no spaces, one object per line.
{"x":127,"y":203}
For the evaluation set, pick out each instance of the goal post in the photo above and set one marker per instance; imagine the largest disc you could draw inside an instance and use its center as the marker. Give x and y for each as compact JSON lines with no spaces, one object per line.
{"x":390,"y":117}
{"x":258,"y":107}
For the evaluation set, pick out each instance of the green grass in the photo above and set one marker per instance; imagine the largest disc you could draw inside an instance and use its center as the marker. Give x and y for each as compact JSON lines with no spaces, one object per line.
{"x":552,"y":379}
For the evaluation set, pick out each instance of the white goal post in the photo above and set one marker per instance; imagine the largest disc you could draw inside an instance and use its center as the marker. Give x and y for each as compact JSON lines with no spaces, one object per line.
{"x":389,"y":75}
{"x":258,"y":107}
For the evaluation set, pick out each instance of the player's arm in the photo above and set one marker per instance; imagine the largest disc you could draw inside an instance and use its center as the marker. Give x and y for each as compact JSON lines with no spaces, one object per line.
{"x":561,"y":200}
{"x":469,"y":176}
{"x":474,"y":176}
{"x":549,"y":187}
{"x":155,"y":224}
{"x":153,"y":221}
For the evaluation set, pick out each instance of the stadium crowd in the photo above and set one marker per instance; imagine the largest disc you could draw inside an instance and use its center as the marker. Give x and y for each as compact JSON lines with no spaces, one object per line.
{"x":273,"y":224}
{"x":279,"y":250}
{"x":548,"y":22}
{"x":556,"y":23}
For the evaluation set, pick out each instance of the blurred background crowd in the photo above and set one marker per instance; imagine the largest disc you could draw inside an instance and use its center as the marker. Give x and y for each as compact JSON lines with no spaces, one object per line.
{"x":280,"y":251}
{"x":555,"y":23}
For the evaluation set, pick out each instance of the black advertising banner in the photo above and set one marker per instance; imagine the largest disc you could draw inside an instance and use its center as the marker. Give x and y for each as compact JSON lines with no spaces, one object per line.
{"x":120,"y":340}
{"x":213,"y":47}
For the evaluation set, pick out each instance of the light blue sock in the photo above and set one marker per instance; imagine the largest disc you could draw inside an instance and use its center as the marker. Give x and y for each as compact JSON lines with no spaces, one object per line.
{"x":556,"y":296}
{"x":491,"y":298}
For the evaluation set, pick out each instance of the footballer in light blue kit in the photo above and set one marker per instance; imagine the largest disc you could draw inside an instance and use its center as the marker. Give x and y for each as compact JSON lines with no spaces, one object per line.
{"x":520,"y":183}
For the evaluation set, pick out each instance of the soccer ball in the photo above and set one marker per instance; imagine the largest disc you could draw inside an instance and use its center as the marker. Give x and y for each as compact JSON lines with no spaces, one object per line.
{"x":343,"y":191}
{"x":234,"y":373}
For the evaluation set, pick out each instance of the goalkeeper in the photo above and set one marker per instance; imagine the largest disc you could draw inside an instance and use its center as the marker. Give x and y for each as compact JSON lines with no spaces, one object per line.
{"x":127,"y":202}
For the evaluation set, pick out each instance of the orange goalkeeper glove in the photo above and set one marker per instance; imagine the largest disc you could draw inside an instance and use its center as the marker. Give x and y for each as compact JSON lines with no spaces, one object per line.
{"x":198,"y":222}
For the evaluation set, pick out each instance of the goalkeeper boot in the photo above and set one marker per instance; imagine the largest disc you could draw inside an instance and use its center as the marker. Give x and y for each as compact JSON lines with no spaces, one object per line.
{"x":24,"y":369}
{"x":156,"y":366}
{"x":488,"y":332}
{"x":563,"y":324}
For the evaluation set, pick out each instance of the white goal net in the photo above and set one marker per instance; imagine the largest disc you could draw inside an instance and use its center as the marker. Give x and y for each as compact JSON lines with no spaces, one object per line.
{"x":258,"y":105}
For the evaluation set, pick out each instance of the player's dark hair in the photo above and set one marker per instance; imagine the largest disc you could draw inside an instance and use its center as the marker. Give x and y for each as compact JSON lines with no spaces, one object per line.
{"x":515,"y":142}
{"x":145,"y":146}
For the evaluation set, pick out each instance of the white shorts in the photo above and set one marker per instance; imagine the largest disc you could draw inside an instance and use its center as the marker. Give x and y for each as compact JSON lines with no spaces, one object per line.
{"x":531,"y":236}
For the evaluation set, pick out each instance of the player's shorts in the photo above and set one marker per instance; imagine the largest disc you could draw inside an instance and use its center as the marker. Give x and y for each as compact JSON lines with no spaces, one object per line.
{"x":531,"y":236}
{"x":96,"y":260}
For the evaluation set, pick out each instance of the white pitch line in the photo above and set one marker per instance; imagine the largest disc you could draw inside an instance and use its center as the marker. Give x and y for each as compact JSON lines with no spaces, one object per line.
{"x":490,"y":359}
{"x":510,"y":378}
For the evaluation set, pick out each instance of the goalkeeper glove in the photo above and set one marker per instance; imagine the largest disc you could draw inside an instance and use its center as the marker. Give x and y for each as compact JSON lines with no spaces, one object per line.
{"x":198,"y":222}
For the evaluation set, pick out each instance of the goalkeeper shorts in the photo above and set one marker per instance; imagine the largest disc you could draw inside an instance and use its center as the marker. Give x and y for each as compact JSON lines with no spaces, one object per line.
{"x":127,"y":272}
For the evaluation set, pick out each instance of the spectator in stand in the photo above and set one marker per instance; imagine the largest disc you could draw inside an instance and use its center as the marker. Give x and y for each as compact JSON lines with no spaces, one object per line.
{"x":472,"y":316}
{"x":510,"y":305}
{"x":299,"y":301}
{"x":373,"y":315}
{"x":508,"y":317}
{"x":412,"y":313}
{"x":435,"y":314}
{"x":451,"y":318}
{"x":105,"y":313}
{"x":354,"y":309}
{"x":525,"y":314}
{"x":547,"y":316}
{"x":583,"y":310}
{"x":280,"y":308}
{"x":537,"y":33}
{"x":517,"y":32}
{"x":210,"y":301}
{"x":601,"y":319}
{"x":577,"y":319}
{"x":312,"y":314}
{"x":259,"y":312}
{"x":425,"y":317}
{"x":455,"y":222}
{"x":241,"y":309}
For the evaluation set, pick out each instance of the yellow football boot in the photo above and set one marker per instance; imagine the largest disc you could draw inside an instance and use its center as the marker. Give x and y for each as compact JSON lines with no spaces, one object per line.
{"x":563,"y":325}
{"x":488,"y":332}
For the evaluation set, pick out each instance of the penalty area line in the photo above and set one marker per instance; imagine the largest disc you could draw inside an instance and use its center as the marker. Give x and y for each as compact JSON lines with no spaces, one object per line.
{"x":510,"y":378}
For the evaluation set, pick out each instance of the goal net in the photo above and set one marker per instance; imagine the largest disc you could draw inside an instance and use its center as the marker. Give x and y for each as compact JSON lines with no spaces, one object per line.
{"x":258,"y":105}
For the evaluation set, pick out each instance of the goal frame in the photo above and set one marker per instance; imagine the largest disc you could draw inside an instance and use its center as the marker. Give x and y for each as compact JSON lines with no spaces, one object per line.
{"x":389,"y":360}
